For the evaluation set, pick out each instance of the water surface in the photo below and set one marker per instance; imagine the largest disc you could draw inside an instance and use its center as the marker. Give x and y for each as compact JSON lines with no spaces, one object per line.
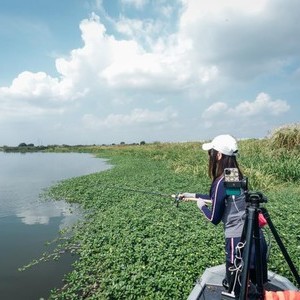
{"x":27,"y":222}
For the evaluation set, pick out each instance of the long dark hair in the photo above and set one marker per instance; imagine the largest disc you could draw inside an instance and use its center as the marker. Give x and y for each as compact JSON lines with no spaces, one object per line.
{"x":216,"y":167}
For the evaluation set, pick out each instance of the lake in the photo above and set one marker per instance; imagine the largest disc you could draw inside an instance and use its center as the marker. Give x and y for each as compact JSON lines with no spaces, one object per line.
{"x":28,"y":222}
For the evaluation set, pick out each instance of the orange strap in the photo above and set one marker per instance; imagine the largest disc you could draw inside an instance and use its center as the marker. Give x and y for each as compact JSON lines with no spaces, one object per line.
{"x":282,"y":295}
{"x":262,"y":220}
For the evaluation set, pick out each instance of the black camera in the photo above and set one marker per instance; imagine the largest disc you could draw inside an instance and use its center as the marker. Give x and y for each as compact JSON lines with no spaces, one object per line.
{"x":256,"y":198}
{"x":232,"y":182}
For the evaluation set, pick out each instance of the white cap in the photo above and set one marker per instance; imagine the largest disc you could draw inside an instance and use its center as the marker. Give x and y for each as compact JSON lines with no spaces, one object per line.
{"x":224,"y":143}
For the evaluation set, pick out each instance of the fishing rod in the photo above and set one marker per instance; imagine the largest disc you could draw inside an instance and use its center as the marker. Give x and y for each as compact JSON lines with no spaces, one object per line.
{"x":177,"y":197}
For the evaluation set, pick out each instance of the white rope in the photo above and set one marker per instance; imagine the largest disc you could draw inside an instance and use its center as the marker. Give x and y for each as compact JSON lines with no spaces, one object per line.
{"x":238,"y":264}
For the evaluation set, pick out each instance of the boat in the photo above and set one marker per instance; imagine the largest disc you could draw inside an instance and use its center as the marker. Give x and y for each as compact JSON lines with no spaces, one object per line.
{"x":211,"y":284}
{"x":210,"y":287}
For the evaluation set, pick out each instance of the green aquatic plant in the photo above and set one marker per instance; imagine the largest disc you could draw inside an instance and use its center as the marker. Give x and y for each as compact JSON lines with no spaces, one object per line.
{"x":133,"y":245}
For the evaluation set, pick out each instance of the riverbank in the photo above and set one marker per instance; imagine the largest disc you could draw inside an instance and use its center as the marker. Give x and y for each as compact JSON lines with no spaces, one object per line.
{"x":140,"y":245}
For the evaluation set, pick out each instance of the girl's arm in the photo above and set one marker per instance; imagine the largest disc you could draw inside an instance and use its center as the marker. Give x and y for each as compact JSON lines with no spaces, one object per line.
{"x":218,"y":195}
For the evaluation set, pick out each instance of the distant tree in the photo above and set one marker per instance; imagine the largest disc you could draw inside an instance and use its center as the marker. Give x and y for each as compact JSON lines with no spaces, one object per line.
{"x":142,"y":143}
{"x":30,"y":145}
{"x":122,"y":143}
{"x":22,"y":145}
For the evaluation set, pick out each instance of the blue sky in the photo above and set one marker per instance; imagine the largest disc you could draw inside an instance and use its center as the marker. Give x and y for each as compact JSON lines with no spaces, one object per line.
{"x":111,"y":71}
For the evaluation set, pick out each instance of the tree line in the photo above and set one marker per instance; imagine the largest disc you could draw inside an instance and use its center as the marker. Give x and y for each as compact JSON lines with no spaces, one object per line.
{"x":23,"y":147}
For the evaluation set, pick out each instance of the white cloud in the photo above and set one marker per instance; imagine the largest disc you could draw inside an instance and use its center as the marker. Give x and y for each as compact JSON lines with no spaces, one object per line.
{"x":130,"y":27}
{"x":142,"y":31}
{"x":238,"y":36}
{"x":215,"y":110}
{"x":136,"y":117}
{"x":32,"y":86}
{"x":139,"y":4}
{"x":197,"y":10}
{"x":80,"y":69}
{"x":262,"y":106}
{"x":104,"y":63}
{"x":166,"y":10}
{"x":215,"y":46}
{"x":208,"y":74}
{"x":31,"y":95}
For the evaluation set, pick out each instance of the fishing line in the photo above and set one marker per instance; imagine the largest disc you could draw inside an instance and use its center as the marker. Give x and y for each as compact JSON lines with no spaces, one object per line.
{"x":173,"y":196}
{"x":177,"y":197}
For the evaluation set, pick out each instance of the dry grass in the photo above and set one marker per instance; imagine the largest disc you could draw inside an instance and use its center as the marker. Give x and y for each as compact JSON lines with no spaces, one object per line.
{"x":286,"y":136}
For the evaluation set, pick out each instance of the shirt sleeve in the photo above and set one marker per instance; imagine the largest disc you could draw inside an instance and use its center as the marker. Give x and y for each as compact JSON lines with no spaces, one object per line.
{"x":217,"y":196}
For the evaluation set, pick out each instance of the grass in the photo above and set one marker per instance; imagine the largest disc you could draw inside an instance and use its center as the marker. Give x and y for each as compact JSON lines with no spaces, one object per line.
{"x":134,"y":245}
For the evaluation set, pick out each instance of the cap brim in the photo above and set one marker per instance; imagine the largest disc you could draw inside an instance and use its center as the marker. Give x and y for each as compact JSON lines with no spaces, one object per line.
{"x":207,"y":146}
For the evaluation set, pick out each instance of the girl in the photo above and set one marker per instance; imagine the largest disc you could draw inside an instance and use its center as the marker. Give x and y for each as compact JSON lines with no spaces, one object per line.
{"x":222,"y":151}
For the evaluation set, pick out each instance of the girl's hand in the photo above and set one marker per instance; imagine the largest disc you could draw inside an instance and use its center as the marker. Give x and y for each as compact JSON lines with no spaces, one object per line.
{"x":200,"y":203}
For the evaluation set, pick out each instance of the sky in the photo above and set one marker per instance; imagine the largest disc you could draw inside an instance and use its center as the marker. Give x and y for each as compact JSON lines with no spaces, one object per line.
{"x":125,"y":71}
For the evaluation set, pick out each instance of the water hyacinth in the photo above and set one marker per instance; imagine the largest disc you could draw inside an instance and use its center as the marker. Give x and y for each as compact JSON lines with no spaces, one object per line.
{"x":138,"y":246}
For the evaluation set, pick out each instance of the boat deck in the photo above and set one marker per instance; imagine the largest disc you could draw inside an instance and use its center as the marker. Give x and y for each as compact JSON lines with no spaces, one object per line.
{"x":209,"y":286}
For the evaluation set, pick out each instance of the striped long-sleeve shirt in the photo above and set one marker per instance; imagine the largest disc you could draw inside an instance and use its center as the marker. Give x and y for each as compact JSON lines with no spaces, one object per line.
{"x":228,"y":209}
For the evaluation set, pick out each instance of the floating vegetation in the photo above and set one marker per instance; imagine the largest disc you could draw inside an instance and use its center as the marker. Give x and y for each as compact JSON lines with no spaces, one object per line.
{"x":141,"y":246}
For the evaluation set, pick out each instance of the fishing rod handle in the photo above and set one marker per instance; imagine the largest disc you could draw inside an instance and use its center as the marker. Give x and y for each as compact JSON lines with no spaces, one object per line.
{"x":207,"y":201}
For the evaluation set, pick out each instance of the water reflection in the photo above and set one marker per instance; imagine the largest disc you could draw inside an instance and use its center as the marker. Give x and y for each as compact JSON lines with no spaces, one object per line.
{"x":42,"y":213}
{"x":27,"y":223}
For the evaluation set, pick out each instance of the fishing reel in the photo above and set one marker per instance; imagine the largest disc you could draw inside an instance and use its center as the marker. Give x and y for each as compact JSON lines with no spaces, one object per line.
{"x":177,"y":198}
